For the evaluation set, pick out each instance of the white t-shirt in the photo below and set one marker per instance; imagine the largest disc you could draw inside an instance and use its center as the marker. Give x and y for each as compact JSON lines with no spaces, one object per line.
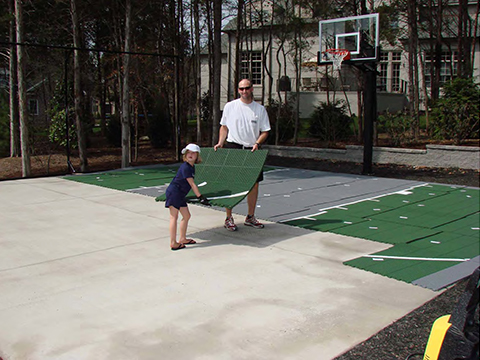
{"x":245,"y":122}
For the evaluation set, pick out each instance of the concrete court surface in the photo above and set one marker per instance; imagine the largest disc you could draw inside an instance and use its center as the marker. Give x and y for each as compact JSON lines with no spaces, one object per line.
{"x":87,"y":273}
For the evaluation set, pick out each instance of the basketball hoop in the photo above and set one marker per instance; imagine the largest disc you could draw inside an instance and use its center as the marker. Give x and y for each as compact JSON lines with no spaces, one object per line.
{"x":336,"y":56}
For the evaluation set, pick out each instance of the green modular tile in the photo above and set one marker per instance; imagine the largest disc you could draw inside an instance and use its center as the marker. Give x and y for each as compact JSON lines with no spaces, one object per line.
{"x":365,"y":208}
{"x":467,"y":252}
{"x":420,"y":269}
{"x":470,"y":192}
{"x":328,"y":221}
{"x":384,"y":231}
{"x":396,"y":200}
{"x":424,"y":219}
{"x":228,"y":174}
{"x":446,"y":246}
{"x":383,"y":267}
{"x":435,"y":189}
{"x":454,"y":202}
{"x":468,"y":226}
{"x":433,"y":221}
{"x":403,"y":270}
{"x":127,"y":179}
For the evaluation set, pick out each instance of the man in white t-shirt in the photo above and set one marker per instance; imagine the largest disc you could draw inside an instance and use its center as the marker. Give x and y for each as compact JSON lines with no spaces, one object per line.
{"x":244,"y":125}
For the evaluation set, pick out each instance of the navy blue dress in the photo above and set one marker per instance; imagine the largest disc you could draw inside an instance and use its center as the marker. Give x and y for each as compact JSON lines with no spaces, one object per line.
{"x":179,"y":187}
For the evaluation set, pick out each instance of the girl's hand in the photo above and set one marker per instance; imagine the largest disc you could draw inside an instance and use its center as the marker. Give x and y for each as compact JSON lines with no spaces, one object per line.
{"x":203,"y":200}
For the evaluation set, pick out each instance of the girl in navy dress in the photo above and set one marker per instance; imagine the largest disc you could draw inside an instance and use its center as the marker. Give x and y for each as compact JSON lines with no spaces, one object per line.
{"x":176,"y":193}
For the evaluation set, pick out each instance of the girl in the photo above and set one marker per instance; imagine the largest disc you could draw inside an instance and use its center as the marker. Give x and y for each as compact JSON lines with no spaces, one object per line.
{"x":176,"y":193}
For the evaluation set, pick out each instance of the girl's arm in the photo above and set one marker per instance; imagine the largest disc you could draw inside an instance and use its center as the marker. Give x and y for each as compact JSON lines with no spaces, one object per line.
{"x":194,"y":187}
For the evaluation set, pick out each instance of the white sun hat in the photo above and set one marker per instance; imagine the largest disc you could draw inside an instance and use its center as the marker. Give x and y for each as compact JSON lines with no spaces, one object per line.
{"x":191,"y":147}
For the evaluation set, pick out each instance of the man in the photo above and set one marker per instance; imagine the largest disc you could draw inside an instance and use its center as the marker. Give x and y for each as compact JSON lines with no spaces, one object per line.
{"x":244,"y":125}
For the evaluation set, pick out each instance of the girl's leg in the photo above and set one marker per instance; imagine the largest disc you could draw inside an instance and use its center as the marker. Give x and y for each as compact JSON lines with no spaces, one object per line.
{"x":173,"y":227}
{"x":184,"y":224}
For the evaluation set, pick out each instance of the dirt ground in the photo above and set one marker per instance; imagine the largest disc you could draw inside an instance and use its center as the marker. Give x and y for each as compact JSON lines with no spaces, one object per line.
{"x":406,"y":336}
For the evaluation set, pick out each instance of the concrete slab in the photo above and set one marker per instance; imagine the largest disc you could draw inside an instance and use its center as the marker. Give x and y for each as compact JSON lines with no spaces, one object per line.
{"x":86,"y":273}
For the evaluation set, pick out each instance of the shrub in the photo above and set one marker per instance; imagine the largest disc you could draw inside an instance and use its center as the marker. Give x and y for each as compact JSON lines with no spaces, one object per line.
{"x":395,"y":125}
{"x":284,"y":115}
{"x":57,"y":130}
{"x":330,"y":122}
{"x":456,"y":115}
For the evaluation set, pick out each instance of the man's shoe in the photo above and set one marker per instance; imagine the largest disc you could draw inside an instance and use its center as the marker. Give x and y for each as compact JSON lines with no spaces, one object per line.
{"x":229,"y":224}
{"x":250,"y":220}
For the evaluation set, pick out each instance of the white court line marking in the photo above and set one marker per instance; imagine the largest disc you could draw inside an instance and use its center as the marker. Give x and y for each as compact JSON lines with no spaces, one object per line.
{"x":228,"y":196}
{"x":412,"y":258}
{"x":149,"y":187}
{"x":275,"y":170}
{"x":321,"y":211}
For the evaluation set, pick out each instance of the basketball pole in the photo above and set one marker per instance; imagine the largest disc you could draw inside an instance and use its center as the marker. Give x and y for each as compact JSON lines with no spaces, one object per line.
{"x":369,"y":115}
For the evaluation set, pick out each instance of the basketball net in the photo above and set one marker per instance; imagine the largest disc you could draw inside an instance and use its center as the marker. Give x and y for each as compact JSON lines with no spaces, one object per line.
{"x":336,"y":56}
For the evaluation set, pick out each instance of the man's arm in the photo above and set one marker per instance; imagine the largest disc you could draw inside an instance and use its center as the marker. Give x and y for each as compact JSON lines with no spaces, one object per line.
{"x":261,"y":139}
{"x":222,"y":136}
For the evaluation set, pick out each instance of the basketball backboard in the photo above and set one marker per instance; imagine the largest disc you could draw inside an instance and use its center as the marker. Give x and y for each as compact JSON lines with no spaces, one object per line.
{"x":358,"y":34}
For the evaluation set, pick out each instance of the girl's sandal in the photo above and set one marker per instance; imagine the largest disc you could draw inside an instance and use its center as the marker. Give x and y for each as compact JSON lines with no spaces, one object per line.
{"x":180,"y":246}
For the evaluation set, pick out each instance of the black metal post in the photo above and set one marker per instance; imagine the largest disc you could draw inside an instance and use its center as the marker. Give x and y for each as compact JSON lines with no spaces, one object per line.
{"x":369,"y":116}
{"x":70,"y":167}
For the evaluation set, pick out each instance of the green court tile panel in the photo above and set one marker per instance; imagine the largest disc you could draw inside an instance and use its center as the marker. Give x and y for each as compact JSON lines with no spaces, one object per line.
{"x":128,"y":179}
{"x":415,"y":216}
{"x":227,"y":175}
{"x":365,"y":208}
{"x":407,"y":265}
{"x":384,"y":231}
{"x":397,"y":200}
{"x":429,"y":190}
{"x":468,"y":226}
{"x":327,"y":221}
{"x":432,"y":228}
{"x":454,"y":202}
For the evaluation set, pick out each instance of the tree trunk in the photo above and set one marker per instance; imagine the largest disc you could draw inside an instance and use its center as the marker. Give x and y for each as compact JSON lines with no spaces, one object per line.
{"x":217,"y":66}
{"x":238,"y":49}
{"x":474,"y":32}
{"x":22,"y":92}
{"x":425,"y":96}
{"x":209,"y":20}
{"x":437,"y":60}
{"x":413,"y":64}
{"x":13,"y":88}
{"x":298,"y":75}
{"x":77,"y":88}
{"x":464,"y":69}
{"x":198,"y":75}
{"x":126,"y":146}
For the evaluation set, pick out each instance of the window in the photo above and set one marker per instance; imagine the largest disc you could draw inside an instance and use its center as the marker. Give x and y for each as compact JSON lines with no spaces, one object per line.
{"x":396,"y":77}
{"x":448,"y":66}
{"x":382,"y":79}
{"x":396,"y":56}
{"x":251,"y":67}
{"x":389,"y":69}
{"x":33,"y":107}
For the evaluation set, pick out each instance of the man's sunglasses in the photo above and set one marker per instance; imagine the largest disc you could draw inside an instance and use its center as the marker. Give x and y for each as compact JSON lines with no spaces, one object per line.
{"x":245,"y":88}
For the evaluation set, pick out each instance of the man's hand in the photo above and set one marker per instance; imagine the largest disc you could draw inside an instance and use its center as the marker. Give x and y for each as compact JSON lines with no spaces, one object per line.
{"x":217,"y":146}
{"x":255,"y":147}
{"x":203,"y":200}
